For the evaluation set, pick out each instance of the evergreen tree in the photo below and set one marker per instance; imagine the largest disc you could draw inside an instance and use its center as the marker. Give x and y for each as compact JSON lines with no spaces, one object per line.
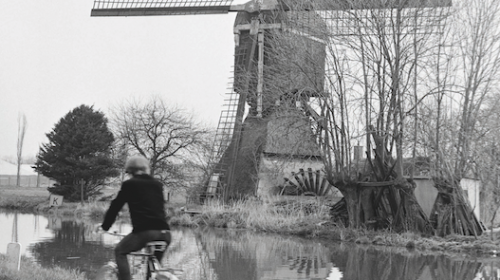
{"x":78,"y":154}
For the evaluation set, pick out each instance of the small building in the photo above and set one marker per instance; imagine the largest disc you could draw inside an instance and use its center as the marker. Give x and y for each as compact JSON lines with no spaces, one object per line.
{"x":427,"y":193}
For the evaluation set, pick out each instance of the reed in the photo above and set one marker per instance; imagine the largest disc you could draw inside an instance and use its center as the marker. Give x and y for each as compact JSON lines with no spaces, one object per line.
{"x":21,"y":202}
{"x":95,"y":209}
{"x":31,"y":270}
{"x":273,"y":214}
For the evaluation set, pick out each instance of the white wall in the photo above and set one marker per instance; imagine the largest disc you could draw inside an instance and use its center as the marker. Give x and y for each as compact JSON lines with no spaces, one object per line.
{"x":472,"y":189}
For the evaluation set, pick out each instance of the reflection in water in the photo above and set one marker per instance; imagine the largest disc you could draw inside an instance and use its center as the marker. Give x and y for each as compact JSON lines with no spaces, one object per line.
{"x":209,"y":254}
{"x":488,"y":272}
{"x":368,"y":263}
{"x":73,"y":246}
{"x":244,"y":255}
{"x":247,"y":255}
{"x":216,"y":254}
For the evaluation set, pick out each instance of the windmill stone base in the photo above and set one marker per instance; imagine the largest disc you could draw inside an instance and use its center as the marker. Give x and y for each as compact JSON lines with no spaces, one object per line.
{"x":269,"y":149}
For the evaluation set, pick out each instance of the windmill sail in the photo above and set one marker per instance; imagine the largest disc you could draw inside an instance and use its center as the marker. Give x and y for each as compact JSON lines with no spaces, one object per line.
{"x":160,"y":7}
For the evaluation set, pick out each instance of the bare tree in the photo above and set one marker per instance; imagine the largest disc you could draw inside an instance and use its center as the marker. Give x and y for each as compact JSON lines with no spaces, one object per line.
{"x":388,"y":58}
{"x":199,"y":165}
{"x":21,"y":131}
{"x":478,"y":36}
{"x":381,"y":54}
{"x":167,"y":136}
{"x":373,"y":49}
{"x":487,"y":159}
{"x":462,"y":140}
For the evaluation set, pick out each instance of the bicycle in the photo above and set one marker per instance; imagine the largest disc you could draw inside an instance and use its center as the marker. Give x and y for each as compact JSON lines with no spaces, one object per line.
{"x":150,"y":267}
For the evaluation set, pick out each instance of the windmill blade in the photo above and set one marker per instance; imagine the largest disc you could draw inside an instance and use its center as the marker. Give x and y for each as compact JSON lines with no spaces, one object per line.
{"x":161,"y":7}
{"x":191,"y":7}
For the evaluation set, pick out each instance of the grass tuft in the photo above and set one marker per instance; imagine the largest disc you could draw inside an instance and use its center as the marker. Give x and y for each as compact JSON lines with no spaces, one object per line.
{"x":31,"y":270}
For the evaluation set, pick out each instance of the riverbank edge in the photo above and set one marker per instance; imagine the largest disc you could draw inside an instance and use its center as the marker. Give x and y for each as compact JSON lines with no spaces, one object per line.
{"x":316,"y":225}
{"x":31,"y":270}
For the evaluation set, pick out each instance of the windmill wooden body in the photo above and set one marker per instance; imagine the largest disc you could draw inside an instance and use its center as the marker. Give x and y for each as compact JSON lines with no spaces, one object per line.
{"x":272,"y":102}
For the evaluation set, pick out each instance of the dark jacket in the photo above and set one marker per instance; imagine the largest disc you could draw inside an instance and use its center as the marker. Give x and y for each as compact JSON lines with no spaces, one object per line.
{"x":146,"y":203}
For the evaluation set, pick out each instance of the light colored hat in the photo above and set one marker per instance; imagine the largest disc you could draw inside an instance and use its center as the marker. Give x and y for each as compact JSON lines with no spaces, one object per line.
{"x":137,"y":165}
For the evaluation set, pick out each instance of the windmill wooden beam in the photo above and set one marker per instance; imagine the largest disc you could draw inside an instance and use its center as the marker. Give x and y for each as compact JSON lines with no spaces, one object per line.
{"x":111,"y":8}
{"x":126,"y":12}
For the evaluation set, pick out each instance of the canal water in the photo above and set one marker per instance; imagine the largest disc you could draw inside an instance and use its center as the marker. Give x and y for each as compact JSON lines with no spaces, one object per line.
{"x":210,"y":254}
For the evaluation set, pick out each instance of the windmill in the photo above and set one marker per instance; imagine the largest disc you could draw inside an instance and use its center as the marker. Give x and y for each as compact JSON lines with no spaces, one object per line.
{"x":254,"y":24}
{"x":252,"y":141}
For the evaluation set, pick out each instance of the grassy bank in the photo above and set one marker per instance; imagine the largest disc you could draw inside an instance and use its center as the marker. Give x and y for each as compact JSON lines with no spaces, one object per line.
{"x":310,"y":219}
{"x":31,"y":270}
{"x":272,"y":215}
{"x":23,"y":199}
{"x":306,"y":217}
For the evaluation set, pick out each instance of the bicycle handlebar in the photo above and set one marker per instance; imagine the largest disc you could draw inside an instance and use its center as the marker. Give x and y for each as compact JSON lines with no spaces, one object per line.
{"x":115,"y":233}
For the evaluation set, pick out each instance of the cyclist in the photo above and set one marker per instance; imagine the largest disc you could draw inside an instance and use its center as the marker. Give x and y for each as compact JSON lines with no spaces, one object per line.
{"x":146,"y":203}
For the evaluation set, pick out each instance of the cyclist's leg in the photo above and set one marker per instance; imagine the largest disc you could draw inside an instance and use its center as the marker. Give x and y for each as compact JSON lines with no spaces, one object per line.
{"x":130,"y":243}
{"x":134,"y":242}
{"x":163,"y":236}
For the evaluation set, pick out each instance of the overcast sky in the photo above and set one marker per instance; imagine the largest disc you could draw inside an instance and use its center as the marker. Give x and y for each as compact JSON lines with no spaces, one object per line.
{"x":55,"y":57}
